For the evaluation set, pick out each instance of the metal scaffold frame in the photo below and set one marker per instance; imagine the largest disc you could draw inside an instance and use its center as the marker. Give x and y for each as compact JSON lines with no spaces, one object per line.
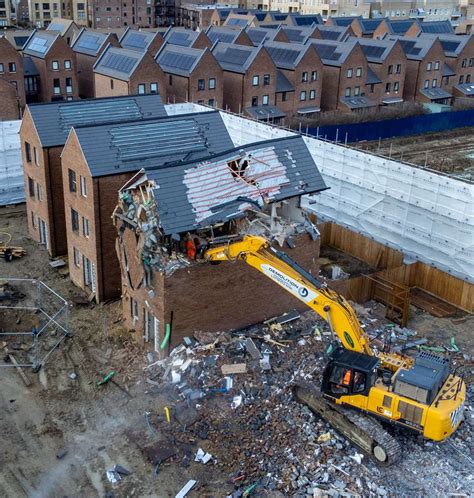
{"x":52,"y":316}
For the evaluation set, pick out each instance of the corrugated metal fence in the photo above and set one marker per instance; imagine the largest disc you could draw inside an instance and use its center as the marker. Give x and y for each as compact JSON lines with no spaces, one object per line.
{"x":413,"y":125}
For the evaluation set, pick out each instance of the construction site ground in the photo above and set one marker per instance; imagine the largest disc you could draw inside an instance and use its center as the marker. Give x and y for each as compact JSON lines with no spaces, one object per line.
{"x":451,"y":152}
{"x":60,"y":435}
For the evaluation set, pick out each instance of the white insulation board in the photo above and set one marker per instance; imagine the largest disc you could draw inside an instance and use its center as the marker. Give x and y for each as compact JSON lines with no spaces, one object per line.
{"x":427,"y":216}
{"x":11,"y":170}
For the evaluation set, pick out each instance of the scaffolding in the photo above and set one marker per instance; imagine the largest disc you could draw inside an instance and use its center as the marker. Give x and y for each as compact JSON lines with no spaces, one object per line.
{"x":46,"y":315}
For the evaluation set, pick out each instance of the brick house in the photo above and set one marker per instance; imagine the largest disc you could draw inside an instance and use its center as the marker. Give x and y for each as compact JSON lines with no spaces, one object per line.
{"x":115,"y":14}
{"x":301,"y":66}
{"x":397,"y":27}
{"x":143,"y":40}
{"x":240,"y":20}
{"x":105,"y":157}
{"x":228,"y":35}
{"x":426,"y":70}
{"x":12,"y":89}
{"x":43,"y":133}
{"x":119,"y":71}
{"x":388,"y":63}
{"x":192,"y":75}
{"x":250,"y":80}
{"x":187,"y":38}
{"x":56,"y":64}
{"x":365,"y":28}
{"x":164,"y":283}
{"x":300,"y":34}
{"x":345,"y":76}
{"x":88,"y":46}
{"x":263,"y":35}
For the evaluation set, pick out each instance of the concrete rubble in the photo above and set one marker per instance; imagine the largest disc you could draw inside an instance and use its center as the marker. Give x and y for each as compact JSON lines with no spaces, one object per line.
{"x":249,"y":425}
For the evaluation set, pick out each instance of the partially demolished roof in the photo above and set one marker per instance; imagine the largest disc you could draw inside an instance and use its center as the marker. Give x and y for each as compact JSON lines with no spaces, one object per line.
{"x":53,"y":120}
{"x":201,"y":193}
{"x":117,"y":148}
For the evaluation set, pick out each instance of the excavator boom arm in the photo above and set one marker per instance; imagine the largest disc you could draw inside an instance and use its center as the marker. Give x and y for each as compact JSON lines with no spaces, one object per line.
{"x":279,"y":267}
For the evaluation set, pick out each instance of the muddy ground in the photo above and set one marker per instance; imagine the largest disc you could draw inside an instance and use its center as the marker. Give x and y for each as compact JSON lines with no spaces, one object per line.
{"x":99,"y":427}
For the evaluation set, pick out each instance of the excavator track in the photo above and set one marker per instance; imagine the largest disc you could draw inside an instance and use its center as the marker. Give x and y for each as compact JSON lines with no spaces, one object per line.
{"x":364,"y":432}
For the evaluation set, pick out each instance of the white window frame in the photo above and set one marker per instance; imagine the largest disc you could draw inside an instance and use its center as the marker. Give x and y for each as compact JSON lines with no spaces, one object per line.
{"x":76,"y":257}
{"x":255,"y":80}
{"x":265,"y":99}
{"x":55,"y":65}
{"x":67,"y":64}
{"x":83,"y":186}
{"x":140,"y":87}
{"x":85,"y":227}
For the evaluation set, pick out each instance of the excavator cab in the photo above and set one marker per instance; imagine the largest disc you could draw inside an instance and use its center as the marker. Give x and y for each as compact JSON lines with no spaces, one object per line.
{"x":349,"y":373}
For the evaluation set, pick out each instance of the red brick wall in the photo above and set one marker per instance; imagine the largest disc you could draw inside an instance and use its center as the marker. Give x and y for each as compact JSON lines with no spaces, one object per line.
{"x":12,"y":86}
{"x":148,"y":71}
{"x":207,"y":68}
{"x":202,"y":41}
{"x":434,"y":54}
{"x":330,"y":88}
{"x":233,"y":91}
{"x":103,"y":86}
{"x":355,"y":60}
{"x":465,"y":57}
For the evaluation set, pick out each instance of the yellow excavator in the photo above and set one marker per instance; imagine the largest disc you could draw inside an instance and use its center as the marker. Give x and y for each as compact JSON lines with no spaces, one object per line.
{"x":419,"y":393}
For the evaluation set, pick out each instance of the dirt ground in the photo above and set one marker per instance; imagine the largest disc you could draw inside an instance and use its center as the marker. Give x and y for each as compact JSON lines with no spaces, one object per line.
{"x":451,"y":152}
{"x":99,"y":427}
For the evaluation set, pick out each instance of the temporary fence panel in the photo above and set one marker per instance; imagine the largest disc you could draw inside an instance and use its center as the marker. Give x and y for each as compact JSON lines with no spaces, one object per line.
{"x":11,"y":169}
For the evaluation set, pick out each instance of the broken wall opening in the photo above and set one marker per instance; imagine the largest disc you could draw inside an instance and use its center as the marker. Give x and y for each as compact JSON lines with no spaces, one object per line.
{"x":34,"y":321}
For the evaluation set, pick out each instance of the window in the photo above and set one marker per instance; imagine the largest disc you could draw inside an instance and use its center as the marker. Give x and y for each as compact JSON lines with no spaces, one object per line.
{"x":201,"y":85}
{"x":396,"y":86}
{"x":312,"y":94}
{"x":68,"y":85}
{"x":468,"y":78}
{"x":390,"y":69}
{"x":153,"y":87}
{"x":349,"y":73}
{"x":141,"y":88}
{"x":67,"y":64}
{"x":399,"y":68}
{"x":12,"y":67}
{"x":304,"y":76}
{"x":211,"y":102}
{"x":471,"y":63}
{"x":72,"y":181}
{"x":266,"y":79}
{"x":372,"y":88}
{"x":427,"y":84}
{"x":31,"y":187}
{"x":434,"y":83}
{"x":2,"y":68}
{"x":111,"y":84}
{"x":255,"y":80}
{"x":314,"y":75}
{"x":428,"y":66}
{"x":170,"y":79}
{"x":461,"y":79}
{"x":302,"y":95}
{"x":387,"y":401}
{"x":212,"y":83}
{"x":33,"y":219}
{"x":265,"y":100}
{"x":28,"y":152}
{"x":85,"y":227}
{"x":356,"y":91}
{"x":77,"y":257}
{"x":74,"y":220}
{"x":39,"y":192}
{"x":436,"y":66}
{"x":283,"y":97}
{"x":56,"y":86}
{"x":254,"y":101}
{"x":35,"y":153}
{"x":359,"y":72}
{"x":83,"y":187}
{"x":55,"y":65}
{"x":388,"y":87}
{"x":463,"y":63}
{"x":347,"y":92}
{"x":359,"y":382}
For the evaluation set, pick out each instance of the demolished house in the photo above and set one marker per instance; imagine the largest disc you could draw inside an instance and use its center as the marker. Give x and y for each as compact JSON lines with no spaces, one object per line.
{"x":168,"y":216}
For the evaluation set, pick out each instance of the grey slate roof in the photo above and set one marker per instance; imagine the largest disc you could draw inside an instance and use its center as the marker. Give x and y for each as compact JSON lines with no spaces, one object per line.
{"x":119,"y":63}
{"x":372,"y":78}
{"x":39,"y":43}
{"x":178,"y":60}
{"x":29,"y":67}
{"x":137,"y":40}
{"x":235,"y":58}
{"x":306,"y":20}
{"x":399,"y":26}
{"x":60,"y":25}
{"x":282,"y":83}
{"x":261,"y":34}
{"x":124,"y":147}
{"x":265,"y":112}
{"x":53,"y":120}
{"x":376,"y":50}
{"x":298,"y":34}
{"x":448,"y":70}
{"x":334,"y":53}
{"x":278,"y":16}
{"x":344,"y":20}
{"x":287,"y":55}
{"x":437,"y":27}
{"x":199,"y":194}
{"x":181,"y":36}
{"x":452,"y":44}
{"x":368,"y":26}
{"x":338,"y":33}
{"x":89,"y":42}
{"x":222,"y":34}
{"x":435,"y":93}
{"x":237,"y":22}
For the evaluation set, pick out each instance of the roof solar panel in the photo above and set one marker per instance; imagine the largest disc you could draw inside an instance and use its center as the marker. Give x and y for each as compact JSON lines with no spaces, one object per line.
{"x":257,"y":35}
{"x":75,"y":114}
{"x":89,"y":41}
{"x":373,"y":51}
{"x":181,"y":39}
{"x":450,"y":46}
{"x":436,"y":27}
{"x":157,"y":139}
{"x":234,"y":56}
{"x":326,"y":51}
{"x":328,"y":34}
{"x":283,"y":56}
{"x":401,"y":26}
{"x":20,"y":40}
{"x":237,"y":22}
{"x":280,"y":17}
{"x":184,"y":62}
{"x":39,"y":45}
{"x":306,"y":20}
{"x":135,"y":40}
{"x":118,"y":62}
{"x":221,"y":37}
{"x":294,"y":34}
{"x":55,"y":26}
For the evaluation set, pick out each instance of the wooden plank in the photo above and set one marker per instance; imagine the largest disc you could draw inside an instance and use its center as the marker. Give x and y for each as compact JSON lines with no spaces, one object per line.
{"x":432,"y":304}
{"x":23,"y":376}
{"x":235,"y":368}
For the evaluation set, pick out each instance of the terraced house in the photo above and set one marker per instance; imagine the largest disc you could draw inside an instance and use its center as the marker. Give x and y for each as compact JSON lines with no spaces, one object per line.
{"x":12,"y":91}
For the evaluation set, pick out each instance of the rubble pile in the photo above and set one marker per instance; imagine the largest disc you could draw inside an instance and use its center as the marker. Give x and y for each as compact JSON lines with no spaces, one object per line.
{"x":232,"y":397}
